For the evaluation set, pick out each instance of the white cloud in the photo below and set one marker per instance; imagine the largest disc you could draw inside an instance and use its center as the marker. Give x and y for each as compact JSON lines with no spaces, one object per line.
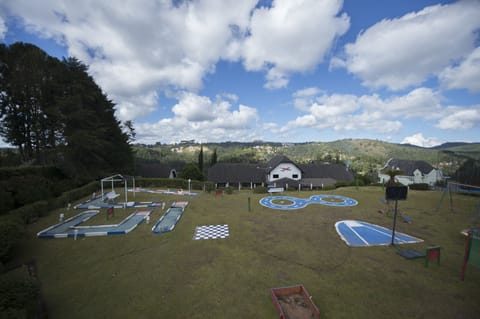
{"x":196,"y":108}
{"x":418,"y":103}
{"x":465,"y":75}
{"x":302,"y":99}
{"x":276,"y":79}
{"x":398,"y":53}
{"x":141,"y":46}
{"x":3,"y":28}
{"x":199,"y":118}
{"x":371,"y":113}
{"x":460,"y":118}
{"x":419,"y":140}
{"x":290,"y":36}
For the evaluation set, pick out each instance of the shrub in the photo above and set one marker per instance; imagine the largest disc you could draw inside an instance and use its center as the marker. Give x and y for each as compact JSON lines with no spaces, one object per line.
{"x":11,"y":231}
{"x":209,"y":187}
{"x":341,"y":184}
{"x":30,"y":213}
{"x":175,"y":183}
{"x":7,"y":202}
{"x":419,"y":186}
{"x":329,"y":187}
{"x":260,"y":190}
{"x":229,"y":190}
{"x":18,"y":296}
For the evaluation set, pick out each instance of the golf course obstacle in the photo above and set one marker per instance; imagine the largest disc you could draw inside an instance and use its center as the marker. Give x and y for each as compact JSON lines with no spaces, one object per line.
{"x":362,"y":234}
{"x":211,"y":232}
{"x":162,"y":191}
{"x":107,"y":200}
{"x":71,"y":226}
{"x":472,"y":251}
{"x":169,"y":220}
{"x":289,"y":202}
{"x":432,"y":253}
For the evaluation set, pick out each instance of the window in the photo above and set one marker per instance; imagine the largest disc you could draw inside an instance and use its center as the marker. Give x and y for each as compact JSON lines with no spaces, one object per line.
{"x":295,"y":176}
{"x":275,"y":175}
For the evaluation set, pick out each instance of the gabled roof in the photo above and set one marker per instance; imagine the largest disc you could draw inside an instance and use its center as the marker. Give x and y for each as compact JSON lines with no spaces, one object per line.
{"x":277,"y":160}
{"x":161,"y":170}
{"x":235,"y":172}
{"x":335,"y":171}
{"x":409,"y":166}
{"x":316,"y":174}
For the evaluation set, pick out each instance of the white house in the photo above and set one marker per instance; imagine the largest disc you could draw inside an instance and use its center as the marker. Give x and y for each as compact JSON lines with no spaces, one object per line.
{"x":413,"y":172}
{"x":283,"y":168}
{"x":280,"y":171}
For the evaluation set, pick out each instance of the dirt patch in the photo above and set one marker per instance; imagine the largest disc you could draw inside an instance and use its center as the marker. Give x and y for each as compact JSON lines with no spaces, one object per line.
{"x":296,"y":307}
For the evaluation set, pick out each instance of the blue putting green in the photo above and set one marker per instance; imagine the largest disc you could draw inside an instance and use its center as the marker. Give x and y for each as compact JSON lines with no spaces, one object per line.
{"x":167,"y":222}
{"x":362,"y":234}
{"x":289,"y":202}
{"x":71,"y":228}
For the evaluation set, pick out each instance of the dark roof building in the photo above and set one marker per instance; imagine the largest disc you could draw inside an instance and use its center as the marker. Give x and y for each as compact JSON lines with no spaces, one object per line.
{"x":235,"y":173}
{"x":409,"y":166}
{"x":411,"y":172}
{"x":279,"y":172}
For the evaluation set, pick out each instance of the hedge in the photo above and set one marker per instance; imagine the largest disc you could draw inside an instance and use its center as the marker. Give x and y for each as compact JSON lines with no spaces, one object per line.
{"x":172,"y":183}
{"x":419,"y":186}
{"x":24,"y":185}
{"x":18,"y":297}
{"x":29,"y":213}
{"x":11,"y":231}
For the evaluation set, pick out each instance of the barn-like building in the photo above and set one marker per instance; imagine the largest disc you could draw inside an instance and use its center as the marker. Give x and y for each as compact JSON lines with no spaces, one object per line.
{"x":279,"y":172}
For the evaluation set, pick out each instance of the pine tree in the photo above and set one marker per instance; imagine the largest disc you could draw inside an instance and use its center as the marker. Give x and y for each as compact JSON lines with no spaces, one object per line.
{"x":214,"y":157}
{"x":55,"y":113}
{"x":200,"y":159}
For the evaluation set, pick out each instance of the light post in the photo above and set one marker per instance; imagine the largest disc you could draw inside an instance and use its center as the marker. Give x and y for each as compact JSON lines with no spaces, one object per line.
{"x":189,"y":181}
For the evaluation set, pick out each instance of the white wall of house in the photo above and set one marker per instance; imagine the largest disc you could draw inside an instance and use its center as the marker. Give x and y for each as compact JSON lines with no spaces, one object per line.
{"x":433,"y":177}
{"x":287,"y":170}
{"x":430,"y":178}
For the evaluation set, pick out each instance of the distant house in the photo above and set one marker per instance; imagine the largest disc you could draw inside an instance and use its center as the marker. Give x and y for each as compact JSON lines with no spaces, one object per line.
{"x":412,"y":172}
{"x":280,"y":171}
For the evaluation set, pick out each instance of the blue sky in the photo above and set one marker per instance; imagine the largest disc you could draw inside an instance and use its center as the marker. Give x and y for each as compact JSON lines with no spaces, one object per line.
{"x":286,"y":71}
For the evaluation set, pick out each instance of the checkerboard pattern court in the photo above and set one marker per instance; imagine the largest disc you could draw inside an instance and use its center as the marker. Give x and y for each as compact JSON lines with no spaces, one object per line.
{"x":211,"y":232}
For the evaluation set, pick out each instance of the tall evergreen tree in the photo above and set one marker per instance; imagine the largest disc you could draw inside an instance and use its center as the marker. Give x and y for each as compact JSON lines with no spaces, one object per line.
{"x":95,"y":143}
{"x":200,"y":159}
{"x":27,"y":103}
{"x":214,"y":157}
{"x":54,"y":112}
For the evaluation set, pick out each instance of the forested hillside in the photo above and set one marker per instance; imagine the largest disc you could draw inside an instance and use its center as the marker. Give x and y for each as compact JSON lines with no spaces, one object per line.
{"x":362,"y":155}
{"x":62,"y":125}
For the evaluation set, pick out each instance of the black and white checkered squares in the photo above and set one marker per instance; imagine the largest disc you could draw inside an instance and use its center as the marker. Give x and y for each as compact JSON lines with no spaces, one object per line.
{"x":211,"y":232}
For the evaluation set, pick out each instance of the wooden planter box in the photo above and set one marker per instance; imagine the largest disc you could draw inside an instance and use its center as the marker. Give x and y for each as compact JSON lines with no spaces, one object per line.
{"x":294,"y":302}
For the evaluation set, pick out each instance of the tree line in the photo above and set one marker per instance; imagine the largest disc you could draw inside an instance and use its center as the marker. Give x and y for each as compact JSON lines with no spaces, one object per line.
{"x":54,"y":113}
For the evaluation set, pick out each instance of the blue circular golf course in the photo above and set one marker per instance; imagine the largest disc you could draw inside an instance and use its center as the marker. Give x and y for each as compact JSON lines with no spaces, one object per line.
{"x":288,"y":202}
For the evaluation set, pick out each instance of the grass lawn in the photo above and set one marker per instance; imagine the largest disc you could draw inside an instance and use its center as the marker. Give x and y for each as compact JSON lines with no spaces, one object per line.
{"x":143,"y":275}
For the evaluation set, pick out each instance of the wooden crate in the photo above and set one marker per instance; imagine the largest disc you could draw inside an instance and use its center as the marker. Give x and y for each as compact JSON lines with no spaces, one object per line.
{"x":294,"y":302}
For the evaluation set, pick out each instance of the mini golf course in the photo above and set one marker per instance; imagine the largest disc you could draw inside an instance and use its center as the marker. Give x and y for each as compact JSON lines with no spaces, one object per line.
{"x":167,"y":222}
{"x":362,"y":234}
{"x":289,"y":202}
{"x":106,"y":201}
{"x":70,"y":227}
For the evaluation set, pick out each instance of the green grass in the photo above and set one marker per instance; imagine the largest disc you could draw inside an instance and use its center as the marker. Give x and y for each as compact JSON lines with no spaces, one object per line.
{"x":142,"y":275}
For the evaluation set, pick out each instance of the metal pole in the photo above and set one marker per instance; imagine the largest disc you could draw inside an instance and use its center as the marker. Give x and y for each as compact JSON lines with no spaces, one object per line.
{"x":394,"y":222}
